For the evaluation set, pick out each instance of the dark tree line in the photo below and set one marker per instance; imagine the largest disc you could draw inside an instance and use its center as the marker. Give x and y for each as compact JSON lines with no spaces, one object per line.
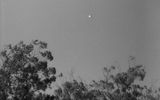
{"x":25,"y":74}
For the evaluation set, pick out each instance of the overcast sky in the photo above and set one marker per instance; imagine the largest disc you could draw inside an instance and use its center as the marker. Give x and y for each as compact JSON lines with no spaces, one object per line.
{"x":87,"y":35}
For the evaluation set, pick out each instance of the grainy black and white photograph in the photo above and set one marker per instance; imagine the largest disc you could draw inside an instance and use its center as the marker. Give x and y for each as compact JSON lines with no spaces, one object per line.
{"x":79,"y":50}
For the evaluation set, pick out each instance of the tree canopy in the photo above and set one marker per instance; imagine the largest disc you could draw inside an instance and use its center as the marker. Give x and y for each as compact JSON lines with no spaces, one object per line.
{"x":119,"y":86}
{"x":24,"y":71}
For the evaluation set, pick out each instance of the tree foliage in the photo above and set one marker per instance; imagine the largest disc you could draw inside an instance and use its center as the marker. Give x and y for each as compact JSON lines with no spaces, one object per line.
{"x":25,"y":71}
{"x":25,"y":74}
{"x":119,"y":86}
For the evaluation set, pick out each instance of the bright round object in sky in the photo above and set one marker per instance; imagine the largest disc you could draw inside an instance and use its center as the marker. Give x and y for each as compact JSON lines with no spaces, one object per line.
{"x":89,"y":16}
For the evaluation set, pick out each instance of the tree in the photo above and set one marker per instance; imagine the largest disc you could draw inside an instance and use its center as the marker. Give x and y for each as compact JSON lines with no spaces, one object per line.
{"x":124,"y":82}
{"x":114,"y":86}
{"x":24,"y":71}
{"x":71,"y":90}
{"x":121,"y":86}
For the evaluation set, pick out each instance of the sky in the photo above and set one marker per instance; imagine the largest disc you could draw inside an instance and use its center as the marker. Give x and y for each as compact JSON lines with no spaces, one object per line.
{"x":87,"y":35}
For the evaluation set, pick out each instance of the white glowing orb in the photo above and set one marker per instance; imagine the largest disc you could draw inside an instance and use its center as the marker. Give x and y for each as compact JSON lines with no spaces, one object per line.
{"x":89,"y":16}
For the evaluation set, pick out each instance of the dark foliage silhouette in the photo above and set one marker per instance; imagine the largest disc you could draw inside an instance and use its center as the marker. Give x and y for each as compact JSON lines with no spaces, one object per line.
{"x":25,"y":74}
{"x":24,"y":70}
{"x":119,"y":86}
